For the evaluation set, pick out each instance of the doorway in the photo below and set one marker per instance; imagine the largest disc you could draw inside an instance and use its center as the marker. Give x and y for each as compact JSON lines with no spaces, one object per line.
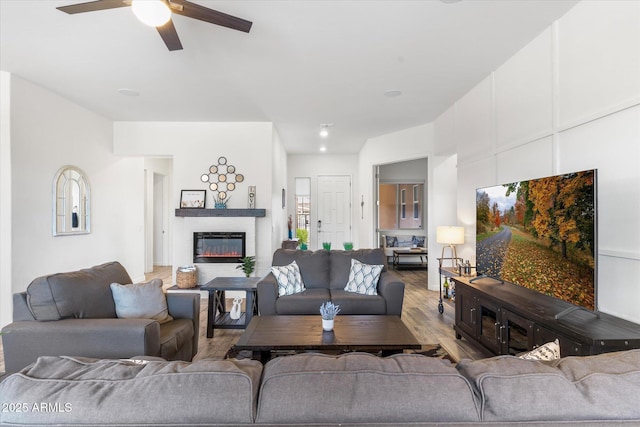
{"x":159,"y":220}
{"x":334,"y":210}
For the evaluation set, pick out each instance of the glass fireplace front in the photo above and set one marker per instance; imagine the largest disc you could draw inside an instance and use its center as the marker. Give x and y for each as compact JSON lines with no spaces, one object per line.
{"x":216,"y":247}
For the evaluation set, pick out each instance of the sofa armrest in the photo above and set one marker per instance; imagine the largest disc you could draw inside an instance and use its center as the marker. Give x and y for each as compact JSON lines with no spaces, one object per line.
{"x":21,"y":308}
{"x":391,"y":288}
{"x":267,"y":295}
{"x":23,"y":342}
{"x":186,"y":306}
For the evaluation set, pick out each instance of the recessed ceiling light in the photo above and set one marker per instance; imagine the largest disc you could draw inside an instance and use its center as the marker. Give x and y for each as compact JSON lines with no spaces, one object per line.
{"x":392,"y":93}
{"x":128,"y":92}
{"x":324,"y":129}
{"x":323,"y":148}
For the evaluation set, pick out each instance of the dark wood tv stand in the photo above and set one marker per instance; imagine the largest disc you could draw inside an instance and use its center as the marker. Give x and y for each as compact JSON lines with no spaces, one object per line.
{"x":503,"y":318}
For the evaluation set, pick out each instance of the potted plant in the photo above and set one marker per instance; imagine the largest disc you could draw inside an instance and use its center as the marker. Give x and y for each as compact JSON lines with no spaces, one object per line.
{"x":328,"y":310}
{"x":247,"y":264}
{"x":326,"y":246}
{"x":303,"y":237}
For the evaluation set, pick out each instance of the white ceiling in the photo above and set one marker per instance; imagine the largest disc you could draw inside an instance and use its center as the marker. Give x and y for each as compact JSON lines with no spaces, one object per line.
{"x":304,"y":63}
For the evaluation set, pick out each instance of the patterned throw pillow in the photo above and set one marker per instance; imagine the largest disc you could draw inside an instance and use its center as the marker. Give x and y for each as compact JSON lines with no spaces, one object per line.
{"x":289,"y":279}
{"x":363,"y":278}
{"x":391,"y":241}
{"x":548,"y":351}
{"x":418,"y":241}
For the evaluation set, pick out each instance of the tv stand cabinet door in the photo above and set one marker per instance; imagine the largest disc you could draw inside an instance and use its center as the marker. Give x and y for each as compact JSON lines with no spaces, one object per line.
{"x":568,"y":347}
{"x":466,"y":312}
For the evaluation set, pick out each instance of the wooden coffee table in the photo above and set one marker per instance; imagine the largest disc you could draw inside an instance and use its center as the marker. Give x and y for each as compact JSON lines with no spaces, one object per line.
{"x":385,"y":334}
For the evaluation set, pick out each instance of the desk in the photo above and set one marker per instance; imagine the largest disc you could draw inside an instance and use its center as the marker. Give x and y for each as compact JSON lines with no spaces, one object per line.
{"x":398,"y":253}
{"x":217,"y":314}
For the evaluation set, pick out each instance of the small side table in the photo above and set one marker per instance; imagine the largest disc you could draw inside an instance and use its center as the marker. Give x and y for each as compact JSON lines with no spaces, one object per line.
{"x":217,"y":303}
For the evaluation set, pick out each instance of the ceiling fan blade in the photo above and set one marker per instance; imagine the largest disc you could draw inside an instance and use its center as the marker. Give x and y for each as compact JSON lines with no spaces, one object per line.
{"x":205,"y":14}
{"x":94,"y":5}
{"x":170,"y":36}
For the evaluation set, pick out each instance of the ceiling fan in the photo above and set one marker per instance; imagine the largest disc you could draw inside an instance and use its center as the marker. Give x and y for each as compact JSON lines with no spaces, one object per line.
{"x":165,"y":8}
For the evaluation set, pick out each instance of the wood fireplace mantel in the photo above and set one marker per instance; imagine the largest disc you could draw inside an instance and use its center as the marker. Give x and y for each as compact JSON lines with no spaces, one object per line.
{"x":220,"y":212}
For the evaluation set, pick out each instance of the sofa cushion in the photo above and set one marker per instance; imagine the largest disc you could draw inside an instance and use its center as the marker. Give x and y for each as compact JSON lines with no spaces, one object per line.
{"x":363,"y":278}
{"x":78,"y":294}
{"x":362,"y":388}
{"x":341,"y":264}
{"x":141,"y":301}
{"x":352,"y":303}
{"x":306,"y":302}
{"x":289,"y":279}
{"x":114,"y":392}
{"x":599,"y":387}
{"x":314,"y":265}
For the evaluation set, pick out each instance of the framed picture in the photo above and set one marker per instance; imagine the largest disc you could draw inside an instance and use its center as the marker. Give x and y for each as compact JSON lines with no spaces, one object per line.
{"x":192,"y":199}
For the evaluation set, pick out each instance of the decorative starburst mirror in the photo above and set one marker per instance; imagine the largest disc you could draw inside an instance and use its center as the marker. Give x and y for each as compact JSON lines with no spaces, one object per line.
{"x":222,"y":179}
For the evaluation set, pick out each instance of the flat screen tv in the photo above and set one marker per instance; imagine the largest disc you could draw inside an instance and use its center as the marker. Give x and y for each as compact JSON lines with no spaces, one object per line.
{"x":541,"y":234}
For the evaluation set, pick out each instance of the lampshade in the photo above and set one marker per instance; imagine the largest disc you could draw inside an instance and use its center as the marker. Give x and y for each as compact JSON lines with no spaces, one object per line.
{"x":450,"y":235}
{"x":154,"y":13}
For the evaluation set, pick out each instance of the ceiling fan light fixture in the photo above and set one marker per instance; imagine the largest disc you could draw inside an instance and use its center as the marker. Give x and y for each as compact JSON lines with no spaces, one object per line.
{"x":154,"y":13}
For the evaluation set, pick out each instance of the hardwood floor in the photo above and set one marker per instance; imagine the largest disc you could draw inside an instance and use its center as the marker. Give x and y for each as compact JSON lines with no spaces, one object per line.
{"x":419,"y":312}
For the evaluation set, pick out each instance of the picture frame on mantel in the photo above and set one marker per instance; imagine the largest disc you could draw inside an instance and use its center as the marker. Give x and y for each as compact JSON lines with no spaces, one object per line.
{"x":193,"y":199}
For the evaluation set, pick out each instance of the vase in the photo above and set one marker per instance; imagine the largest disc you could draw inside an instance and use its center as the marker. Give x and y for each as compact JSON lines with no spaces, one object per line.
{"x":327,"y":324}
{"x":290,"y":234}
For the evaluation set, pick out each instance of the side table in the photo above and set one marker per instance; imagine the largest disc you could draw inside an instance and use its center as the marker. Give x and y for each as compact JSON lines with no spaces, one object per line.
{"x":217,"y":303}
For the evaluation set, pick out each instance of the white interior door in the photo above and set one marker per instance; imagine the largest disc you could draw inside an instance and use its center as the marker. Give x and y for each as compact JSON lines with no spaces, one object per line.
{"x":334,"y":210}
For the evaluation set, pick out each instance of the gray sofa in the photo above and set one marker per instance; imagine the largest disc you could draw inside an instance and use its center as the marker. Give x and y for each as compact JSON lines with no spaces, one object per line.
{"x":354,"y":389}
{"x":325,"y":274}
{"x":74,"y":314}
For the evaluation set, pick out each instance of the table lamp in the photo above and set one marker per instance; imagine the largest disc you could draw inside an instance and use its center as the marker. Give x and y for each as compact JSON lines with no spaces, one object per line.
{"x":450,"y":236}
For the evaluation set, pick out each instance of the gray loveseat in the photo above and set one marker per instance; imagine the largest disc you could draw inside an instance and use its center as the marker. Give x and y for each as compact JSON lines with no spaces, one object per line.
{"x":354,"y":389}
{"x":325,"y":274}
{"x":74,"y":314}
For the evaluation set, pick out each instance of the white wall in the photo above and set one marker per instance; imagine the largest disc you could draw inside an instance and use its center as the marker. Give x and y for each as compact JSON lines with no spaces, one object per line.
{"x":46,"y":133}
{"x":310,"y":166}
{"x":279,"y":180}
{"x":568,"y":101}
{"x":5,"y":199}
{"x":194,"y":147}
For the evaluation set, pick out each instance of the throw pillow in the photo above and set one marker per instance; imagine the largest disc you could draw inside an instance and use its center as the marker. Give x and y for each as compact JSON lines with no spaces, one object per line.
{"x":141,"y":301}
{"x":289,"y":279}
{"x":391,"y":241}
{"x":418,"y":241}
{"x":548,"y":351}
{"x":363,"y":278}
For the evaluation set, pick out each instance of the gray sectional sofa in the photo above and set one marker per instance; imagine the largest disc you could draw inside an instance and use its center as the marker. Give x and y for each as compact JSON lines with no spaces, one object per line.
{"x":74,"y":314}
{"x":325,"y":274}
{"x":354,"y":389}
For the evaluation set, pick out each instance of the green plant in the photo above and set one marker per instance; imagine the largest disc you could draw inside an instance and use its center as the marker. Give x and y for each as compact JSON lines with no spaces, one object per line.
{"x":302,"y":235}
{"x":329,"y":310}
{"x":348,"y":246}
{"x":247,"y":264}
{"x":326,"y":246}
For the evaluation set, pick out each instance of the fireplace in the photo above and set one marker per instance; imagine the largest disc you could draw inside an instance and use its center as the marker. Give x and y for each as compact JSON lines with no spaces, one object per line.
{"x":211,"y":247}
